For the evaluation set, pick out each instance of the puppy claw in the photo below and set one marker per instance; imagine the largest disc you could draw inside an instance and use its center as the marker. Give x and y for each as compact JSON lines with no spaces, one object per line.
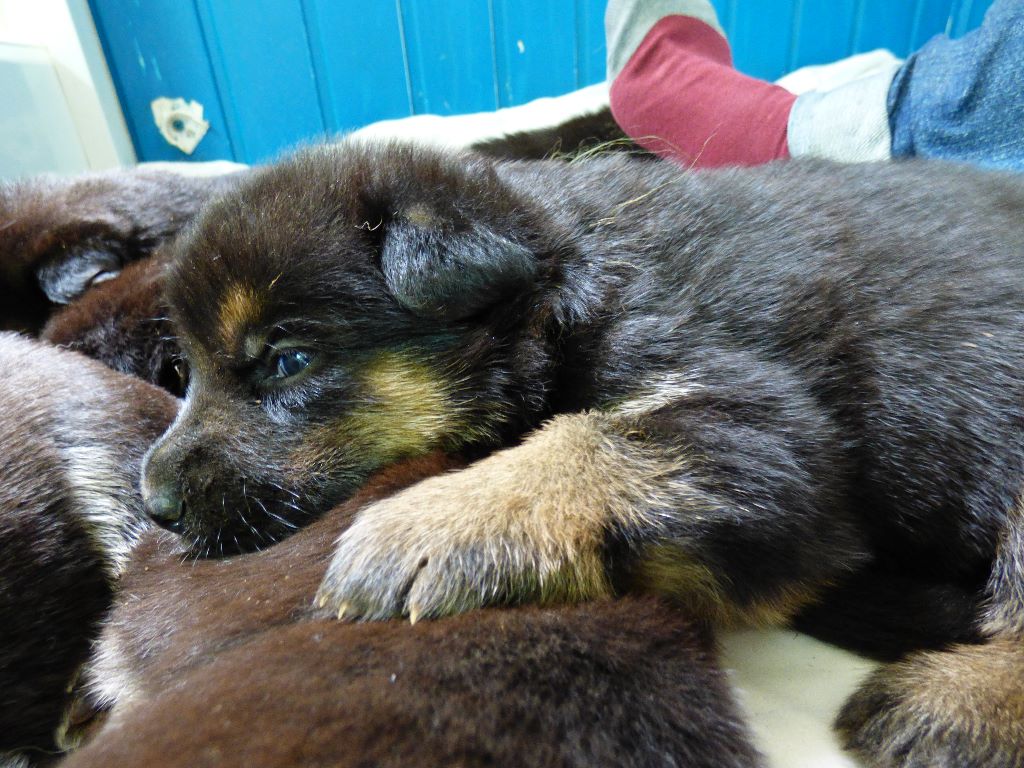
{"x":342,"y":610}
{"x":414,"y":615}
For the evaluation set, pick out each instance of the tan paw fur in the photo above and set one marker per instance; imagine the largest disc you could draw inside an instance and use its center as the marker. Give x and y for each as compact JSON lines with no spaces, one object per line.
{"x":525,"y":524}
{"x":957,"y":708}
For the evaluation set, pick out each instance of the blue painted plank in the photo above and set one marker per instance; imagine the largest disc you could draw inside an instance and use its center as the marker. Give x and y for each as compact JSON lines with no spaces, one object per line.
{"x":159,"y":50}
{"x":359,"y":61}
{"x":591,"y":51}
{"x":821,"y":32}
{"x":726,"y":10}
{"x":535,"y":49}
{"x":976,"y":14}
{"x":261,"y":59}
{"x":885,"y":24}
{"x":761,"y":34}
{"x":968,"y":15}
{"x":449,"y":45}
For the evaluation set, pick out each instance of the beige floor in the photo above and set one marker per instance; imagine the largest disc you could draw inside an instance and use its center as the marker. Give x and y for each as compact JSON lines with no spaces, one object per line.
{"x":791,"y":687}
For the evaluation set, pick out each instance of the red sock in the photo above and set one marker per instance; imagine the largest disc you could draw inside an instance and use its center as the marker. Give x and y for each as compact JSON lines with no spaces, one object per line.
{"x":679,"y":96}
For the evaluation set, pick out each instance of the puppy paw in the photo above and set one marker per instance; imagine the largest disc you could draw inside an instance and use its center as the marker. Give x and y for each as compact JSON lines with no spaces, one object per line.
{"x":525,"y":524}
{"x":954,"y":708}
{"x":454,"y":543}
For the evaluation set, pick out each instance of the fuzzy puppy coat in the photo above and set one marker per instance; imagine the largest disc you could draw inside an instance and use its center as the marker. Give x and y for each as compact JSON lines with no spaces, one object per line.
{"x":733,"y":388}
{"x":225,"y":663}
{"x":60,"y":236}
{"x":72,"y":437}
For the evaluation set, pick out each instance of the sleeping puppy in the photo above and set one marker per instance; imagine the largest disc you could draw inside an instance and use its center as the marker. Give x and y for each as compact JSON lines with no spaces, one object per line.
{"x":123,"y":323}
{"x":115,"y":313}
{"x":882,"y":613}
{"x":72,"y":436}
{"x":222,"y":662}
{"x":732,"y":387}
{"x":59,"y":236}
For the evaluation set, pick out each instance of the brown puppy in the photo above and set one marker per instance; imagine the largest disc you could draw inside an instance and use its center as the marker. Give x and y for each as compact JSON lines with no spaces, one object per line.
{"x":60,"y":236}
{"x":72,"y":436}
{"x":123,"y":323}
{"x":223,"y":663}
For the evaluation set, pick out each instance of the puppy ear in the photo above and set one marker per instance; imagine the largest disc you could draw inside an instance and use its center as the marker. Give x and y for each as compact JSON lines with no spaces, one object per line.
{"x":443,"y":271}
{"x":67,"y":277}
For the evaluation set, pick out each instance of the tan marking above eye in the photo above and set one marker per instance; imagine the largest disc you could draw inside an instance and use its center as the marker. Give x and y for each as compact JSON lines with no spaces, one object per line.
{"x":240,"y":307}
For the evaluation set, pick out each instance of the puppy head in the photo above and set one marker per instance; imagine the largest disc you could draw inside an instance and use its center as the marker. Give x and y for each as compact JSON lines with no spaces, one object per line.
{"x":344,"y":310}
{"x":59,"y":237}
{"x":123,"y":323}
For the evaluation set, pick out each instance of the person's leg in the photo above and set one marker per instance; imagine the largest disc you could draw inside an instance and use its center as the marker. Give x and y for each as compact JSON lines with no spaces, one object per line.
{"x":964,"y":99}
{"x":674,"y":89}
{"x":848,"y":123}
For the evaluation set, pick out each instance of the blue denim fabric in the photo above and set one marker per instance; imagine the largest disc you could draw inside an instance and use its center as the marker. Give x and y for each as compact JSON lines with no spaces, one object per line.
{"x":964,"y":99}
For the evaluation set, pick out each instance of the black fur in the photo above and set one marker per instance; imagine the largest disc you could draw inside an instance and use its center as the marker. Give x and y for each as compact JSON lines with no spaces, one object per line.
{"x":883,"y":612}
{"x":123,"y":323}
{"x":824,"y":364}
{"x":853,"y":329}
{"x":576,"y":136}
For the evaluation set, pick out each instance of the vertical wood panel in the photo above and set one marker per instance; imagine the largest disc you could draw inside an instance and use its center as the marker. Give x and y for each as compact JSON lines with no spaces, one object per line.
{"x":823,"y":32}
{"x":726,"y":11}
{"x":535,"y":49}
{"x":275,"y":72}
{"x":451,"y":61}
{"x":159,"y":50}
{"x":261,"y":57}
{"x":931,"y":18}
{"x":976,"y":14}
{"x":359,"y":62}
{"x":761,"y":37}
{"x":968,"y":15}
{"x":591,"y":51}
{"x":886,"y":25}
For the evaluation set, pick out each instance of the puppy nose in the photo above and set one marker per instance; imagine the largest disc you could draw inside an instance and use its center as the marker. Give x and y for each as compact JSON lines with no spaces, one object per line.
{"x":165,"y":507}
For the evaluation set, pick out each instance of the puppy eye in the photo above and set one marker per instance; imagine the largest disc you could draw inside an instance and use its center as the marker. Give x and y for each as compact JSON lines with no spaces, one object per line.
{"x":290,"y":362}
{"x":173,"y":376}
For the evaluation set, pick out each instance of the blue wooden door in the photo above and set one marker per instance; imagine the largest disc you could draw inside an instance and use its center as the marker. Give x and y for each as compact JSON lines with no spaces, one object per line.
{"x":272,"y":74}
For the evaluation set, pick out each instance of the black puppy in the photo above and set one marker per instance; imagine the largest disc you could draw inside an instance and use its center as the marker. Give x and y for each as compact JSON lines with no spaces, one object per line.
{"x":748,"y":384}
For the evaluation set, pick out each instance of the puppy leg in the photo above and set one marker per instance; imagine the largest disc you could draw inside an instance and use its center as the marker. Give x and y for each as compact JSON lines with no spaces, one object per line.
{"x":723,"y":496}
{"x":960,"y":707}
